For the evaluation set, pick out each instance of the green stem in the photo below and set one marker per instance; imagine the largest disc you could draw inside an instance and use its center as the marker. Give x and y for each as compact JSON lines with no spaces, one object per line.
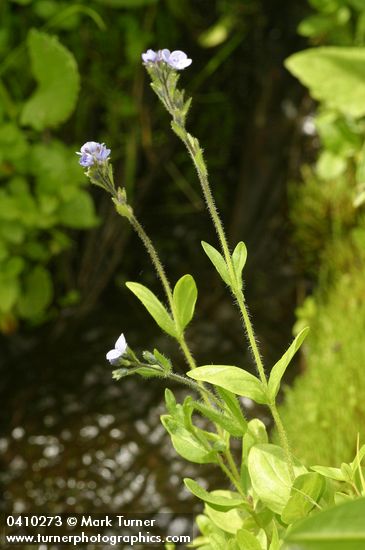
{"x":196,"y":154}
{"x":166,"y":285}
{"x":283,"y":438}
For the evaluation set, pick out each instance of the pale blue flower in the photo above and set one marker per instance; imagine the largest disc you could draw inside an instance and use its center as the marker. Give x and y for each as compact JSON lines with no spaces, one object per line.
{"x":92,"y":152}
{"x":149,"y":57}
{"x":177,"y":59}
{"x":120,"y":348}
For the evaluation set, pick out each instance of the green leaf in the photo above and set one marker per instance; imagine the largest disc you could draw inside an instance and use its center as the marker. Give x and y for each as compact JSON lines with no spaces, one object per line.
{"x":306,"y":491}
{"x":184,"y":296}
{"x":154,"y":307}
{"x":186,"y":444}
{"x":270,"y":475}
{"x":162,"y":360}
{"x":9,"y":292}
{"x":221,"y":502}
{"x":233,"y":406}
{"x":335,"y":75}
{"x":239,"y":258}
{"x":247,"y":541}
{"x":170,"y":401}
{"x":37,"y":293}
{"x":55,"y":70}
{"x":339,"y":528}
{"x":275,"y":542}
{"x":280,"y":367}
{"x":78,"y":212}
{"x":229,"y":521}
{"x":218,"y":261}
{"x":233,"y":379}
{"x":331,"y":473}
{"x":228,"y":423}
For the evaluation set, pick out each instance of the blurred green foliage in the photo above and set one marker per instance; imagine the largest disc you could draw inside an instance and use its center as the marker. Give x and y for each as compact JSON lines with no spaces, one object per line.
{"x":47,"y":112}
{"x":325,"y":410}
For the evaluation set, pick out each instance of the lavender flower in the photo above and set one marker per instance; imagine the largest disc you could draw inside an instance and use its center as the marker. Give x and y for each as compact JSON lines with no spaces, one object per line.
{"x":149,"y":57}
{"x":120,"y":348}
{"x":92,"y":152}
{"x":177,"y":59}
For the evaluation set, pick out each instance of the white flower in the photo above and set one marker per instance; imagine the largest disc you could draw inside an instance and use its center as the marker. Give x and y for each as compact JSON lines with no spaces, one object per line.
{"x":120,"y":348}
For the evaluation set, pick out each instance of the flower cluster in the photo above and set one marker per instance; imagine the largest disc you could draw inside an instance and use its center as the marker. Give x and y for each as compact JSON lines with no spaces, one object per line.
{"x":177,"y":59}
{"x":120,"y":348}
{"x":92,"y":152}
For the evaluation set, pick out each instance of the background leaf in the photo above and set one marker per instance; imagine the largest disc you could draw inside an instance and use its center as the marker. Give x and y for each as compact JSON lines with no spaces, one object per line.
{"x":339,"y":528}
{"x":328,"y":69}
{"x":37,"y":293}
{"x":55,"y":70}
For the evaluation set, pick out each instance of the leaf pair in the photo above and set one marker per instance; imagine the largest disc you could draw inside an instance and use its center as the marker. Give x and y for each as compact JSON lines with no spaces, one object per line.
{"x":241,"y":382}
{"x":239,"y":257}
{"x":184,"y":299}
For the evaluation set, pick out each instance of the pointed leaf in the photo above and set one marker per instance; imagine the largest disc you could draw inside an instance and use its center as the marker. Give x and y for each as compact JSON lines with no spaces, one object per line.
{"x":339,"y":528}
{"x":232,"y":404}
{"x":238,"y":381}
{"x":330,"y":473}
{"x":228,"y":423}
{"x":55,"y":70}
{"x":226,"y":502}
{"x":280,"y":367}
{"x":184,"y":296}
{"x":270,"y":475}
{"x":306,"y":491}
{"x":275,"y":543}
{"x":239,"y":258}
{"x":218,"y":261}
{"x":154,"y":307}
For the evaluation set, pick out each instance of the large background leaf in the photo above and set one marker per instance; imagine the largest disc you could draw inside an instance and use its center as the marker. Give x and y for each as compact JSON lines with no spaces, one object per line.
{"x":333,"y":75}
{"x":340,"y":528}
{"x":55,"y":70}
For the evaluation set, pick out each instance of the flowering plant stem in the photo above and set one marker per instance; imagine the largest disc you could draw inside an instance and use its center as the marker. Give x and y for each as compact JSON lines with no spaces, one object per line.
{"x":196,"y":153}
{"x":207,"y":396}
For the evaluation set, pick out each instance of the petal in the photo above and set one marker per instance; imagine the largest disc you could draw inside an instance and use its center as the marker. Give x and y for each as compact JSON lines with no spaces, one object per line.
{"x":164,"y":55}
{"x":113,"y":356}
{"x":149,"y":56}
{"x":121,"y":344}
{"x":90,"y":147}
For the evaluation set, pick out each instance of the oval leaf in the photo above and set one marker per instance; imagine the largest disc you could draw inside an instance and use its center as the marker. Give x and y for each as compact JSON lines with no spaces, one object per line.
{"x":55,"y":70}
{"x":218,"y":261}
{"x":270,"y":476}
{"x":154,"y":307}
{"x":339,"y":528}
{"x":185,"y":444}
{"x":280,"y":367}
{"x":184,"y":296}
{"x":233,"y":379}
